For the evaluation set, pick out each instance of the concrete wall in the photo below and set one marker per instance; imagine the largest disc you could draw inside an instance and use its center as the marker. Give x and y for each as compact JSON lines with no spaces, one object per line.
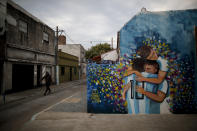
{"x":7,"y":76}
{"x":2,"y":16}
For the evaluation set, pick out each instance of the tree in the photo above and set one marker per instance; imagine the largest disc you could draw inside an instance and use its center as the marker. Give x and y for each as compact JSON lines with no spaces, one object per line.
{"x":97,"y":50}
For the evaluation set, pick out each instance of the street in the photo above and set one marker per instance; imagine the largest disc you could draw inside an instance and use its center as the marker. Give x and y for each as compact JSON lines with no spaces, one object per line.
{"x":66,"y":109}
{"x":15,"y":114}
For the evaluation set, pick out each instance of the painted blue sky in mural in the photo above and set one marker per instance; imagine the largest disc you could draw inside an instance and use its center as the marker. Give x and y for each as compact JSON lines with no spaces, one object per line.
{"x":172,"y":36}
{"x":174,"y":27}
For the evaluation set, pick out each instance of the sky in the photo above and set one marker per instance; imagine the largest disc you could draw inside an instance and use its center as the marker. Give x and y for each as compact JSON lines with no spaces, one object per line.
{"x":89,"y":22}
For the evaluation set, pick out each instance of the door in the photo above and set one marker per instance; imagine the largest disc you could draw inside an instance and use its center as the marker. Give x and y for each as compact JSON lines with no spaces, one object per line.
{"x":70,"y":73}
{"x":38,"y":75}
{"x":1,"y":76}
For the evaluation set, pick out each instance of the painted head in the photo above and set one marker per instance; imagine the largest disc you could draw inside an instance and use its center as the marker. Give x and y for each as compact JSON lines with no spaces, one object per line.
{"x":151,"y":66}
{"x":147,"y":52}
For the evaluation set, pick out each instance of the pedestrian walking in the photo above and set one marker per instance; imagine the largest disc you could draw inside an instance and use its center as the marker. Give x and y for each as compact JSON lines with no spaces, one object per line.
{"x":48,"y":82}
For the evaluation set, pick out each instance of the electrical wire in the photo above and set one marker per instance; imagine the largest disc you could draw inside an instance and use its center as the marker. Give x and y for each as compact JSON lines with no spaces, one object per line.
{"x":85,"y":42}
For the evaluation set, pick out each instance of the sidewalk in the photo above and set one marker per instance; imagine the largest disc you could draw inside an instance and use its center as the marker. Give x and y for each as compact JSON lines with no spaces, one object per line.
{"x":58,"y":117}
{"x":75,"y":121}
{"x":13,"y":97}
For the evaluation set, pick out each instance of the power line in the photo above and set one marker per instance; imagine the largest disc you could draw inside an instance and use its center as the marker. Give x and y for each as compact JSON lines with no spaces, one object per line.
{"x":85,"y":42}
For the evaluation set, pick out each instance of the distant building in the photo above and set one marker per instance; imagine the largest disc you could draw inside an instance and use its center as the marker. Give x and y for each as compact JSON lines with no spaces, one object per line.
{"x":110,"y":56}
{"x":62,"y":40}
{"x":68,"y":68}
{"x":96,"y":59}
{"x":79,"y":51}
{"x":27,"y":48}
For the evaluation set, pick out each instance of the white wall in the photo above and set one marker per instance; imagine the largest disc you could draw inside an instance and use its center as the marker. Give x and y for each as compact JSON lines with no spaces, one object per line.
{"x":111,"y":55}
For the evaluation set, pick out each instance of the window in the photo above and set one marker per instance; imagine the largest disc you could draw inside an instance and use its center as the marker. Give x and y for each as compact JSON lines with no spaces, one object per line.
{"x":23,"y":32}
{"x":75,"y":70}
{"x":62,"y":71}
{"x":22,"y":26}
{"x":45,"y":37}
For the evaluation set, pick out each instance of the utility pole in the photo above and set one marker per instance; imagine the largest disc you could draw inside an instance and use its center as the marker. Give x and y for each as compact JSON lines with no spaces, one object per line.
{"x":56,"y":55}
{"x":112,"y":42}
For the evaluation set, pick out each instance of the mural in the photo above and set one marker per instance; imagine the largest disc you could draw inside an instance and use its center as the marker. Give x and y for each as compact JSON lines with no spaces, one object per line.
{"x":156,"y":72}
{"x":104,"y":89}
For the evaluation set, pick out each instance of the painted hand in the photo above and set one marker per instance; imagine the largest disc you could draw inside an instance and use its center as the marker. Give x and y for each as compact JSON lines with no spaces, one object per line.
{"x":140,"y":89}
{"x":123,"y":97}
{"x":128,"y":85}
{"x":129,"y":71}
{"x":130,"y":68}
{"x":140,"y":79}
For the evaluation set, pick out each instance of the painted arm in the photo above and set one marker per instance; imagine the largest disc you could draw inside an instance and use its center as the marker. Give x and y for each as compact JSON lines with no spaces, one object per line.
{"x":130,"y":72}
{"x":126,"y":87}
{"x":159,"y":97}
{"x":158,"y":80}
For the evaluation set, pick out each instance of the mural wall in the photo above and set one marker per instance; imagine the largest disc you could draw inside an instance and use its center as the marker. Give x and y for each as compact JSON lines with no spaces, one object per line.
{"x":104,"y":89}
{"x":157,"y":68}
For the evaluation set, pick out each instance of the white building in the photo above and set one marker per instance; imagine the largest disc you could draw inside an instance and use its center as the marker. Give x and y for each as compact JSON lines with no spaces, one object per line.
{"x":110,"y":55}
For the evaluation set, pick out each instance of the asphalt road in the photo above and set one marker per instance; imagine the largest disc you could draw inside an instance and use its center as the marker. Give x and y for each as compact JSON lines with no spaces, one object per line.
{"x":15,"y":114}
{"x":65,"y":110}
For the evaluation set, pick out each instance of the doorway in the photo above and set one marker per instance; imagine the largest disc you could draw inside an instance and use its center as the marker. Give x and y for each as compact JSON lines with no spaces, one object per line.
{"x":38,"y":75}
{"x":1,"y":77}
{"x":22,"y":77}
{"x":70,"y":73}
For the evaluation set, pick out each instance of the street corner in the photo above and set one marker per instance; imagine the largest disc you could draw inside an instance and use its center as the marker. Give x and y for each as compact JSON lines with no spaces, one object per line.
{"x":60,"y":121}
{"x":51,"y":115}
{"x":73,"y":103}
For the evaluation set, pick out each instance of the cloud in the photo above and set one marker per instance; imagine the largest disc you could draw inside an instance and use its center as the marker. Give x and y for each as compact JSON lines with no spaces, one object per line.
{"x":100,"y":20}
{"x":165,"y":5}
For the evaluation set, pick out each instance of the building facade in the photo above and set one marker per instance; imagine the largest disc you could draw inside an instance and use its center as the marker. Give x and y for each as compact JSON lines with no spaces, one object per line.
{"x":27,"y":49}
{"x":79,"y":51}
{"x":68,"y":68}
